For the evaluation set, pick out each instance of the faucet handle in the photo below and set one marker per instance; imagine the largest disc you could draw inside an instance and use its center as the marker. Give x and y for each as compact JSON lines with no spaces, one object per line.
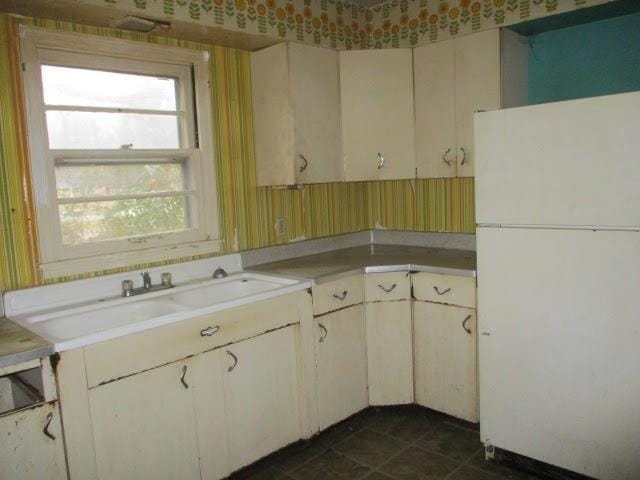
{"x":127,"y":288}
{"x":165,"y":278}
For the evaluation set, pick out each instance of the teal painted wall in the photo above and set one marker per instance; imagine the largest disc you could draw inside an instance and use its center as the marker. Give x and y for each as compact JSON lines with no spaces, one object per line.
{"x":598,"y":58}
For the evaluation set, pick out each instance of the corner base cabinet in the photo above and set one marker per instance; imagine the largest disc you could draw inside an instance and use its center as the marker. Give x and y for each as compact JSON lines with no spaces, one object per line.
{"x":341,"y":356}
{"x":445,"y":356}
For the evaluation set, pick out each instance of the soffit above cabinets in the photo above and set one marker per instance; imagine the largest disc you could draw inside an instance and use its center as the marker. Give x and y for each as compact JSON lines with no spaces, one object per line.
{"x":76,"y":12}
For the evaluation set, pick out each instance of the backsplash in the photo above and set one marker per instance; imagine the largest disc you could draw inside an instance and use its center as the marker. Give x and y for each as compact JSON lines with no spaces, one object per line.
{"x":248,"y":213}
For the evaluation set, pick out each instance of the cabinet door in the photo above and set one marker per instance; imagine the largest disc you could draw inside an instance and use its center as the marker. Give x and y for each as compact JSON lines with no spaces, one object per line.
{"x":378,"y":134}
{"x":144,"y":426}
{"x":208,"y":387}
{"x":477,"y":85}
{"x":445,"y":365}
{"x":273,"y":123}
{"x":26,"y":453}
{"x":315,"y":88}
{"x":341,"y":356}
{"x":435,"y":103}
{"x":261,"y":395}
{"x":389,"y":352}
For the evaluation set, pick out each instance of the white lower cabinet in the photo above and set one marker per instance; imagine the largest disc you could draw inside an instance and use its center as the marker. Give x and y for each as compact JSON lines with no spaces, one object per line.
{"x":341,"y":356}
{"x":26,"y":452}
{"x":144,"y":426}
{"x":261,"y":395}
{"x":445,"y":359}
{"x":389,"y":352}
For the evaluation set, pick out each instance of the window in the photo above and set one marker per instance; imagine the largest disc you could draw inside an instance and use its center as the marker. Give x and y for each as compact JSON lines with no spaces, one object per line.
{"x":120,"y":148}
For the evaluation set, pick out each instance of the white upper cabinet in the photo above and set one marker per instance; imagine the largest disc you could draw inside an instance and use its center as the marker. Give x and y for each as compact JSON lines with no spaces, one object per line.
{"x":453,"y":80}
{"x":376,"y":91}
{"x":296,"y":114}
{"x":477,"y":80}
{"x":436,"y":147}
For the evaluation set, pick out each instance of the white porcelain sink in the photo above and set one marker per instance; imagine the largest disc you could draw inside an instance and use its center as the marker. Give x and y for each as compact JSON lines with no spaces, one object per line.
{"x":79,"y":325}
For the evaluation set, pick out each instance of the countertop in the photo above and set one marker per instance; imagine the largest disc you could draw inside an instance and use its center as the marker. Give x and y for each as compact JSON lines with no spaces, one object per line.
{"x":18,"y":344}
{"x":373,"y":258}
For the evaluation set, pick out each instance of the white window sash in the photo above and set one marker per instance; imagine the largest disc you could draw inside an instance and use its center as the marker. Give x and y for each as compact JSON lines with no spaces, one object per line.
{"x":87,"y":51}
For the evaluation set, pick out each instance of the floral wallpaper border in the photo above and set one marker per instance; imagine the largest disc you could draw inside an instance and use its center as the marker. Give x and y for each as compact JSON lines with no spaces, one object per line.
{"x":409,"y":23}
{"x":344,"y":25}
{"x":329,"y":23}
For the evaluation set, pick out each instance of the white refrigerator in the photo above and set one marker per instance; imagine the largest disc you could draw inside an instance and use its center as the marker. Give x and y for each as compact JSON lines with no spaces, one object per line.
{"x":558,"y":244}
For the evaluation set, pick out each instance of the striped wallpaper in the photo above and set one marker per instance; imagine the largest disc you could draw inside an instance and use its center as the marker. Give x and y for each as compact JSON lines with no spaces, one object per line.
{"x":248,"y":213}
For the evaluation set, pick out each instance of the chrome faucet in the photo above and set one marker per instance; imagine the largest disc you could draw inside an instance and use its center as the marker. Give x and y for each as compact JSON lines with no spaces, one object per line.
{"x":147,"y":286}
{"x":146,"y":280}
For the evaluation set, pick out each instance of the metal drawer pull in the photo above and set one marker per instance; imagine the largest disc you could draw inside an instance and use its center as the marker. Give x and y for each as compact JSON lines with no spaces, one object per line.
{"x":441,"y":292}
{"x":388,"y":290}
{"x":464,"y":155}
{"x":340,"y":297}
{"x":184,"y":374}
{"x":326,"y":332}
{"x":380,"y":161}
{"x":464,"y":324}
{"x":45,"y":430}
{"x":235,"y":361}
{"x":207,"y":332}
{"x":444,"y":157}
{"x":304,"y":165}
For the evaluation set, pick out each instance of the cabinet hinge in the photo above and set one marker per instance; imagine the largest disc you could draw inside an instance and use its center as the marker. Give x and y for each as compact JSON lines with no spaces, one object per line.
{"x":24,"y":67}
{"x":413,"y":297}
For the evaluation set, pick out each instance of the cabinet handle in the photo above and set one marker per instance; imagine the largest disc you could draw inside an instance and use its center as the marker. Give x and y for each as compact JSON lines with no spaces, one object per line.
{"x":184,"y":374}
{"x":464,"y":324}
{"x":45,"y":430}
{"x":464,"y":155}
{"x":388,"y":290}
{"x":441,"y":292}
{"x":304,"y":165}
{"x":340,"y":297}
{"x":207,"y":332}
{"x":380,"y":161}
{"x":235,"y":361}
{"x":325,"y":332}
{"x":444,"y":157}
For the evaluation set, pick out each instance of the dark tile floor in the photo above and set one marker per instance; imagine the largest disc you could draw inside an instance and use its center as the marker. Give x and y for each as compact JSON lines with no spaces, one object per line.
{"x":402,"y":443}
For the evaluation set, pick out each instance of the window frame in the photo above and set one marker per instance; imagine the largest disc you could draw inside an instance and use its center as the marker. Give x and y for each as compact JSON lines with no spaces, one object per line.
{"x":42,"y":46}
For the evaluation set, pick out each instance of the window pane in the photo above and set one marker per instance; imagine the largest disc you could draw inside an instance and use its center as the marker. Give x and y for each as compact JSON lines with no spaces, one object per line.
{"x":91,"y":130}
{"x":89,"y":222}
{"x":74,"y":181}
{"x":96,"y":88}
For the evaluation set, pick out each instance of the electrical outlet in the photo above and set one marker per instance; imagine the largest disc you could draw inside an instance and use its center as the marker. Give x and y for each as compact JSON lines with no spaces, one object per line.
{"x":281,"y":226}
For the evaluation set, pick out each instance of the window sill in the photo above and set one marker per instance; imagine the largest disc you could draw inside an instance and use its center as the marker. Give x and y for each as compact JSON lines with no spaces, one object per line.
{"x":78,"y":266}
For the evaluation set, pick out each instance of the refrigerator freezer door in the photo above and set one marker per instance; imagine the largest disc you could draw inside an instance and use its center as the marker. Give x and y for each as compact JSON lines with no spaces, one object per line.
{"x":559,"y":347}
{"x":574,"y":163}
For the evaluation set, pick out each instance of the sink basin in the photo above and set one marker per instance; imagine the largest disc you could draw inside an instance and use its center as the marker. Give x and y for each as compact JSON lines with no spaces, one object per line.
{"x":63,"y":327}
{"x":79,"y":325}
{"x":220,"y":291}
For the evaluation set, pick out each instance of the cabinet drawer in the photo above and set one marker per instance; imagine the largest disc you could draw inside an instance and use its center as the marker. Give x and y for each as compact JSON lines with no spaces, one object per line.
{"x":134,"y":353}
{"x":337,"y":294}
{"x":380,"y":287}
{"x":449,"y":289}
